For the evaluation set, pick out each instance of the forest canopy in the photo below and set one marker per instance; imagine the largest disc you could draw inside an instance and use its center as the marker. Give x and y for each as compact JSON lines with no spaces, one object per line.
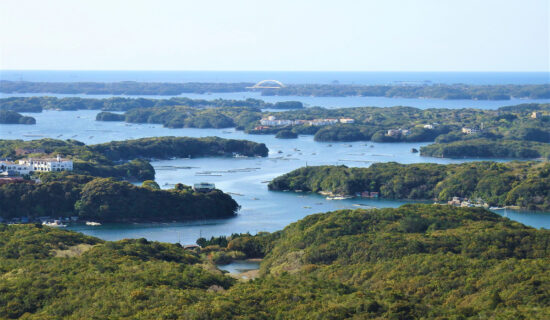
{"x":416,"y":261}
{"x":523,"y":184}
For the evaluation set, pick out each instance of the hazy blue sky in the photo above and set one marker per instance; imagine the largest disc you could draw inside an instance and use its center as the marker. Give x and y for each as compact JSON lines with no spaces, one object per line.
{"x":383,"y":35}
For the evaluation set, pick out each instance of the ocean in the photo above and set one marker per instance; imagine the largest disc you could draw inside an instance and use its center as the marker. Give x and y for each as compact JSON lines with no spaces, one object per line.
{"x":287,"y":77}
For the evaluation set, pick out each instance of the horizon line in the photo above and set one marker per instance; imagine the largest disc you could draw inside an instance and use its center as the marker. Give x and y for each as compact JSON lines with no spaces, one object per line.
{"x":362,"y":71}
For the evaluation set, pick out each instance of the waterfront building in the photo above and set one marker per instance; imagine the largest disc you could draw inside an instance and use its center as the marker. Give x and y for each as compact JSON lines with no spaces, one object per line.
{"x":203,"y":187}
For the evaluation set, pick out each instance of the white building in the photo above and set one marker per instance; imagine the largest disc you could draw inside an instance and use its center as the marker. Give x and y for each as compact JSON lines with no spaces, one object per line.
{"x":9,"y":168}
{"x":470,"y":130}
{"x":397,"y":132}
{"x":347,"y":120}
{"x":323,"y":122}
{"x":27,"y":166}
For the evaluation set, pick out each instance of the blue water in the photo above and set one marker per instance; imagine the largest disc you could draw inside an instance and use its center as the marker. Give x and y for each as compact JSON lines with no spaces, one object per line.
{"x":245,"y":178}
{"x":239,"y":266}
{"x":326,"y":102}
{"x":290,"y":77}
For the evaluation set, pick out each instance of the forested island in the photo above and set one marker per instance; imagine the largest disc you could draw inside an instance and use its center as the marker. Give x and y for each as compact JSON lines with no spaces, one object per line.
{"x":128,"y":159}
{"x":416,"y":261}
{"x":520,"y":184}
{"x":12,"y":117}
{"x":37,"y":104}
{"x":488,"y":148}
{"x":435,"y":91}
{"x":108,"y":200}
{"x":521,"y":131}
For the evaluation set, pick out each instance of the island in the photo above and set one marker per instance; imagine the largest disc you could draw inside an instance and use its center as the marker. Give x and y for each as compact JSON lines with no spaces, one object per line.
{"x":286,"y":134}
{"x":127,"y":159}
{"x":517,"y":184}
{"x":12,"y":117}
{"x":520,"y":131}
{"x":66,"y":195}
{"x":416,"y":261}
{"x":418,"y":90}
{"x":488,"y":148}
{"x":37,"y":104}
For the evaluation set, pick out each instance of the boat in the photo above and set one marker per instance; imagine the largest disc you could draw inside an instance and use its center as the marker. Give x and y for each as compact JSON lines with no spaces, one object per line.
{"x":337,"y":198}
{"x":92,"y":223}
{"x":55,"y":223}
{"x":238,"y":155}
{"x":496,"y":208}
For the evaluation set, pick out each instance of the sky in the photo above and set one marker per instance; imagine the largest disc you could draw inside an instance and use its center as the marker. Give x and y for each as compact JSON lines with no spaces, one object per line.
{"x":294,"y":35}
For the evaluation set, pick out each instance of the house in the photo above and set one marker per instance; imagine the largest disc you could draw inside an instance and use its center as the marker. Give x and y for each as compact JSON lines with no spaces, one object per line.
{"x":260,"y":128}
{"x":371,"y":194}
{"x":393,"y":132}
{"x":323,"y":122}
{"x":397,"y":132}
{"x":272,"y":121}
{"x":536,"y":115}
{"x":470,"y":130}
{"x":26,"y":166}
{"x":203,"y":187}
{"x":347,"y":120}
{"x":48,"y":164}
{"x":455,"y":202}
{"x":9,"y":168}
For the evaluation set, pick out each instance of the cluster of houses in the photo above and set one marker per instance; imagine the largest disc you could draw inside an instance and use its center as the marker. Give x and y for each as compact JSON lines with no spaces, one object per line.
{"x":464,"y":202}
{"x":272,"y":121}
{"x":27,"y":166}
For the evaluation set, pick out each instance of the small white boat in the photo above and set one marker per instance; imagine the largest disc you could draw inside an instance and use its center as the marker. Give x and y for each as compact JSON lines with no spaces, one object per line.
{"x":92,"y":223}
{"x":337,"y":198}
{"x":55,"y":223}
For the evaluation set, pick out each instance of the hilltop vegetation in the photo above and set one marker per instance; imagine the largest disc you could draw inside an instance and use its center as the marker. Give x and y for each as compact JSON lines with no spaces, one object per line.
{"x":108,"y":200}
{"x":437,"y":91}
{"x":417,"y":261}
{"x":12,"y":117}
{"x":523,"y":184}
{"x":97,"y":279}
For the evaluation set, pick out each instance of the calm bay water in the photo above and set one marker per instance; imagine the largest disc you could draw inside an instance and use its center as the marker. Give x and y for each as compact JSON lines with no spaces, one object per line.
{"x":245,"y":178}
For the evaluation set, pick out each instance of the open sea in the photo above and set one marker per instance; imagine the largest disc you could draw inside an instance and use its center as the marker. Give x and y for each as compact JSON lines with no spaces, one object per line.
{"x":287,"y":77}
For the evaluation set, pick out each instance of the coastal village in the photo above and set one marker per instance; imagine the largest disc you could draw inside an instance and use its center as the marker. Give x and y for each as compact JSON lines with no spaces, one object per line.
{"x":272,"y":121}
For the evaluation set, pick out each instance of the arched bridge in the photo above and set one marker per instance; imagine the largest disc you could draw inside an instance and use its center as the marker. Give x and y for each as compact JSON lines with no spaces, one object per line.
{"x":268,"y":84}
